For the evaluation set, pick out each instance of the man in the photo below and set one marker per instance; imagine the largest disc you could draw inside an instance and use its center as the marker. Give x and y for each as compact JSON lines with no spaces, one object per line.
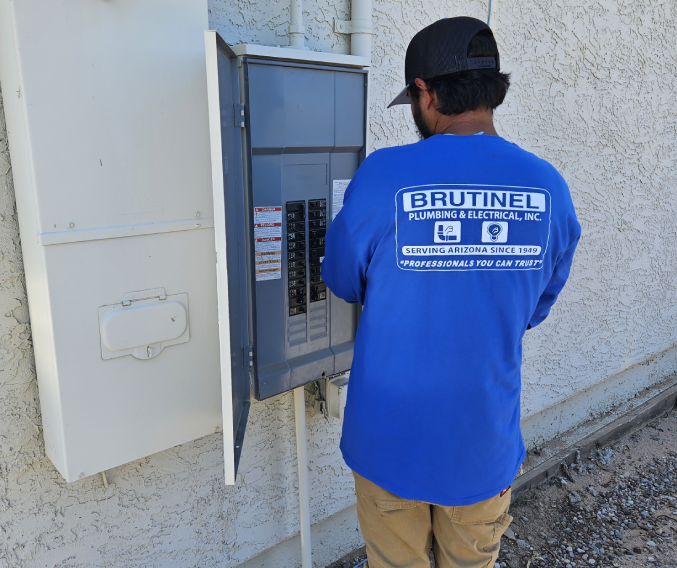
{"x":455,"y":246}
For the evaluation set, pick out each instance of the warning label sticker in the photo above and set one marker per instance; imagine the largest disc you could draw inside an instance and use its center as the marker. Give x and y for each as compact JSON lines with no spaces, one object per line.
{"x":338,"y":192}
{"x":466,"y":227}
{"x":268,"y":243}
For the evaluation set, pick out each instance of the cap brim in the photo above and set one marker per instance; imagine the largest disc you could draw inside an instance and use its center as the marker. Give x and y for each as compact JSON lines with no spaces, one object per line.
{"x":402,"y":98}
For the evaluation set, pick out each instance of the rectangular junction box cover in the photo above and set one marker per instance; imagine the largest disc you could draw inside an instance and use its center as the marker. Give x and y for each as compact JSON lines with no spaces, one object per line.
{"x":109,"y":138}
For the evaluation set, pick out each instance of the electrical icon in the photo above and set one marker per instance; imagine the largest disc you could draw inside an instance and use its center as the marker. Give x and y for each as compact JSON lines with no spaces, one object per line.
{"x":495,"y":232}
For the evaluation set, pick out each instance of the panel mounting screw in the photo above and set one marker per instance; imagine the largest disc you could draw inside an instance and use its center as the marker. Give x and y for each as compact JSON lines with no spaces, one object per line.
{"x":197,"y":214}
{"x":71,"y":225}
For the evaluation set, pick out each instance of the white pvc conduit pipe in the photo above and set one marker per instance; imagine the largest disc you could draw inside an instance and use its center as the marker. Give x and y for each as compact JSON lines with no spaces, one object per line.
{"x":302,"y":461}
{"x":360,"y":28}
{"x":296,"y":29}
{"x":360,"y":44}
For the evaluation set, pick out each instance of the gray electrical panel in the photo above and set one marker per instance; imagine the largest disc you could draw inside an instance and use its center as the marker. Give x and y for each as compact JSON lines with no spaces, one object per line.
{"x":286,"y":138}
{"x":305,"y":134}
{"x":299,"y":132}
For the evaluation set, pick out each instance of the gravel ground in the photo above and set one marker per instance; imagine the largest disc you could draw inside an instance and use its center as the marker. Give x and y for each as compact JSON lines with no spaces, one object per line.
{"x":352,"y":560}
{"x":616,"y":508}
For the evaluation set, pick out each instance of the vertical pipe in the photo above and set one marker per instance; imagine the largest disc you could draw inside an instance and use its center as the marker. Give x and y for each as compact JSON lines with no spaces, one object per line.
{"x":296,"y":29}
{"x":360,"y":39}
{"x":302,"y":461}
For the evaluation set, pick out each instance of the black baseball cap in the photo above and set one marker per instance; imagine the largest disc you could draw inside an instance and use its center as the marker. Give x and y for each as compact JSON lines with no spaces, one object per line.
{"x":440,"y":49}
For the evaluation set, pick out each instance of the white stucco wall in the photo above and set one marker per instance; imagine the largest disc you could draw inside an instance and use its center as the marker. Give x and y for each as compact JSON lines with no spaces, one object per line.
{"x":594,"y":86}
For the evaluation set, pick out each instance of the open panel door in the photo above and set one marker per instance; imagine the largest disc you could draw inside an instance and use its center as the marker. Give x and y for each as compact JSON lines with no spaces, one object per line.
{"x":229,"y":229}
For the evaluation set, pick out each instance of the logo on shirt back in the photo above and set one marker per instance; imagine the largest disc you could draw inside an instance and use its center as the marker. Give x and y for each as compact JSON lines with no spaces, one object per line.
{"x":503,"y":227}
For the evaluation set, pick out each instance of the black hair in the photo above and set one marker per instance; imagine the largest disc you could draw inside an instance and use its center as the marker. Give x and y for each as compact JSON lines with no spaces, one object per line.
{"x":468,"y":90}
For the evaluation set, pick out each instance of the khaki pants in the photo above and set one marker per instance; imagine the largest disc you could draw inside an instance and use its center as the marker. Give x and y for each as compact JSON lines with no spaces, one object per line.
{"x":399,"y":533}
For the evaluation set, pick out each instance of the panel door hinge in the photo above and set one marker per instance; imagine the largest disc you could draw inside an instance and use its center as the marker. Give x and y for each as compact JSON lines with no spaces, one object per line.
{"x":248,"y":353}
{"x":238,"y":115}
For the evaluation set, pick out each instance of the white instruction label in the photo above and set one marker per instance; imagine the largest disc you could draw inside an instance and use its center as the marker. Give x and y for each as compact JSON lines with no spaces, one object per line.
{"x":338,"y":192}
{"x":268,"y":243}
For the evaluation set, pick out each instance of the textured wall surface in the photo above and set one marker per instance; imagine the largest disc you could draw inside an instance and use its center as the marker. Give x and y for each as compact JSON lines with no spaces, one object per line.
{"x":598,"y":79}
{"x":594,"y":83}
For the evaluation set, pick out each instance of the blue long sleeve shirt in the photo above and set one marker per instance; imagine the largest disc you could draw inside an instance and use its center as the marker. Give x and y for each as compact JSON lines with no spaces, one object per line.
{"x":454,"y":246}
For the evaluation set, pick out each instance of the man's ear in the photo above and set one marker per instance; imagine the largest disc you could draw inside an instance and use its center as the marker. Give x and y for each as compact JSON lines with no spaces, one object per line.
{"x":426,"y":97}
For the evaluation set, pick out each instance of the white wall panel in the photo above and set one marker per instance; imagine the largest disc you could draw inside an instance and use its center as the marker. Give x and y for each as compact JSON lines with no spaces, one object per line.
{"x":108,"y":127}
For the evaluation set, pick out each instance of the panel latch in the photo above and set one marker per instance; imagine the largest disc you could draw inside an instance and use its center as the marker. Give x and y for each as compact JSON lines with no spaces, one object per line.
{"x":238,"y":115}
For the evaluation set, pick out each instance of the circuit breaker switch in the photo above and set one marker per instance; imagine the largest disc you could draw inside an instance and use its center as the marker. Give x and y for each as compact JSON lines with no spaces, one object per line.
{"x":300,"y":245}
{"x":318,"y":292}
{"x":317,"y":214}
